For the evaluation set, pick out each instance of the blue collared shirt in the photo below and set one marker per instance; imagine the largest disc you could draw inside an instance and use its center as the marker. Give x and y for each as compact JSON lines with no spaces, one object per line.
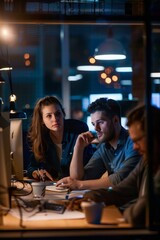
{"x":118,"y":162}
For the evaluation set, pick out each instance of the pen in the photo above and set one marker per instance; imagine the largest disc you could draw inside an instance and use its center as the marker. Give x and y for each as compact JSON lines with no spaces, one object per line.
{"x":68,"y":192}
{"x":42,"y":177}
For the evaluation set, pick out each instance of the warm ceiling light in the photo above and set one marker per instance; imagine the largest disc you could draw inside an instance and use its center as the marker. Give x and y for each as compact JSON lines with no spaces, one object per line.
{"x":109,"y":70}
{"x":7,"y":34}
{"x":13,"y":98}
{"x":92,"y":60}
{"x":26,"y":56}
{"x":90,"y":68}
{"x":27,"y":63}
{"x":103,"y":75}
{"x":114,"y":78}
{"x":108,"y":80}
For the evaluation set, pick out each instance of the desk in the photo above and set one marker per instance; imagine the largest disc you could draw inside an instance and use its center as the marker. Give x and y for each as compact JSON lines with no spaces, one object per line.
{"x":109,"y":219}
{"x":75,"y":229}
{"x":71,"y":229}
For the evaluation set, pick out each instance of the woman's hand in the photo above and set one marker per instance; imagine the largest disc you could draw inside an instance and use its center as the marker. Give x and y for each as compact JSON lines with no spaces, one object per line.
{"x":42,"y":175}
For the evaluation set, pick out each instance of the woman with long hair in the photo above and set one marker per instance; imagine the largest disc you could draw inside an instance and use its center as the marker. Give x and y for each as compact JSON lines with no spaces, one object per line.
{"x":52,"y":139}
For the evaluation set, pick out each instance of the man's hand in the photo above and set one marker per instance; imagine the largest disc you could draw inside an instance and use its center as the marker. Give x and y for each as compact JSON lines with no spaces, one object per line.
{"x":75,"y":204}
{"x":84,"y":139}
{"x":68,"y":182}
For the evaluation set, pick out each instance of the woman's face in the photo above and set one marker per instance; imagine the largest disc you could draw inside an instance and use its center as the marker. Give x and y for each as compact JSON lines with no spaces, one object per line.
{"x":53,"y":117}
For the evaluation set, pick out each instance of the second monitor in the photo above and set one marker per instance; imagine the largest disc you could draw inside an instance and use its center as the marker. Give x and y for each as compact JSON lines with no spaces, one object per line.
{"x":16,"y":145}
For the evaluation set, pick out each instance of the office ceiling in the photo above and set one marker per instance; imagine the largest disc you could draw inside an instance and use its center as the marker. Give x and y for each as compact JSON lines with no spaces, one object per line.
{"x":37,"y":27}
{"x":68,"y":9}
{"x":44,"y":75}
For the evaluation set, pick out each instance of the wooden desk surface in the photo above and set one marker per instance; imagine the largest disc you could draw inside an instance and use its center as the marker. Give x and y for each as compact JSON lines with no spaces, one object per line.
{"x":109,"y":228}
{"x":63,"y":227}
{"x":110,"y":218}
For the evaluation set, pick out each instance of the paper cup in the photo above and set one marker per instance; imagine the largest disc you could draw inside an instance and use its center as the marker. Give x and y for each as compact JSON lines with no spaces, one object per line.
{"x":93,"y":211}
{"x":39,"y":189}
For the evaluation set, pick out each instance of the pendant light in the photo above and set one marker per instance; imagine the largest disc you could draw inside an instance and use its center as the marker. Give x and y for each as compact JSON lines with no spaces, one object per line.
{"x":110,"y":49}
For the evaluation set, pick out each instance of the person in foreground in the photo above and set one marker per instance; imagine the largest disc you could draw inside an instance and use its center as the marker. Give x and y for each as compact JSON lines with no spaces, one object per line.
{"x":135,"y":185}
{"x":52,"y":139}
{"x":114,"y":157}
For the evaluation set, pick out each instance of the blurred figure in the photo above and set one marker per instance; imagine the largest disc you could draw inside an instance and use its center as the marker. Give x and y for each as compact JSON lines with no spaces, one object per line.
{"x":52,"y":139}
{"x":114,"y":157}
{"x":77,"y":114}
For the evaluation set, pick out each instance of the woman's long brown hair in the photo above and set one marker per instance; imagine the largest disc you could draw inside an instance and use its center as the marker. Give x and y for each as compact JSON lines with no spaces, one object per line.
{"x":38,"y":130}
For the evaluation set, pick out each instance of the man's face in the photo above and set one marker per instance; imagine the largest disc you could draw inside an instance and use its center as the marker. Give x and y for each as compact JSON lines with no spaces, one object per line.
{"x":103,"y":126}
{"x":138,"y":137}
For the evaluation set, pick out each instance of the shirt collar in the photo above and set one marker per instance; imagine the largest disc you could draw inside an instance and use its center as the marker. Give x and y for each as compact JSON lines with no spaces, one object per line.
{"x":122,"y":138}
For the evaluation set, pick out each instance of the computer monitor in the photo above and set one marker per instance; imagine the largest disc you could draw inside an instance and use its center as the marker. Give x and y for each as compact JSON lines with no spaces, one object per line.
{"x":16,"y":143}
{"x":5,"y":163}
{"x":155,"y":99}
{"x":123,"y":122}
{"x":90,"y":126}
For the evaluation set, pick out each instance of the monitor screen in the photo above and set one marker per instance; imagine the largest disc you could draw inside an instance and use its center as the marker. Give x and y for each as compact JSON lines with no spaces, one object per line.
{"x":16,"y":142}
{"x":155,"y":99}
{"x":5,"y":163}
{"x":123,"y":122}
{"x":90,"y":126}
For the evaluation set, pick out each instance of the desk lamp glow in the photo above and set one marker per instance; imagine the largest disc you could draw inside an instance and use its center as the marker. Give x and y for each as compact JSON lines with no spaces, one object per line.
{"x":4,"y":66}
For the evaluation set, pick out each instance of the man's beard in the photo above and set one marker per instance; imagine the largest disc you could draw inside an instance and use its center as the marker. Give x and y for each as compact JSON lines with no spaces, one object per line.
{"x":108,"y":138}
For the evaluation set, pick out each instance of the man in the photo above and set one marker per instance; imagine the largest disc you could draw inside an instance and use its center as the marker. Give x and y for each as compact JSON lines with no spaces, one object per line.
{"x":135,"y":185}
{"x":114,"y":158}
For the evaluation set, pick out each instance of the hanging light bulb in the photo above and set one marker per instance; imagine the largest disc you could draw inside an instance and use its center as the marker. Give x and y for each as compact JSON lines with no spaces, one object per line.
{"x":110,"y":49}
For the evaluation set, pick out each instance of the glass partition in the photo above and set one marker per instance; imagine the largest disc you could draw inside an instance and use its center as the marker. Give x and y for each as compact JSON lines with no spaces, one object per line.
{"x":51,"y":38}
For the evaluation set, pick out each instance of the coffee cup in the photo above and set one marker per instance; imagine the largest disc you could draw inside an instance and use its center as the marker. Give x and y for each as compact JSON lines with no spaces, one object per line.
{"x":93,"y":211}
{"x":38,"y":189}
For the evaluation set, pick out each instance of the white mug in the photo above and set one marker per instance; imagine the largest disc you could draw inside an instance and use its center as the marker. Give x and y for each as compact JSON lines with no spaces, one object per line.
{"x":39,"y":189}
